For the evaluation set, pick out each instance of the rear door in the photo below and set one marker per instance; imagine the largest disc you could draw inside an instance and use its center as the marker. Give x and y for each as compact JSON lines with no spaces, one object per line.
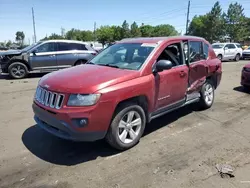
{"x":44,"y":57}
{"x":67,"y":54}
{"x":230,"y":52}
{"x":198,"y":68}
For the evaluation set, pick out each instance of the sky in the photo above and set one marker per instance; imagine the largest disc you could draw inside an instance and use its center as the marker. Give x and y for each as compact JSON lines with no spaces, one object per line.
{"x":52,"y":15}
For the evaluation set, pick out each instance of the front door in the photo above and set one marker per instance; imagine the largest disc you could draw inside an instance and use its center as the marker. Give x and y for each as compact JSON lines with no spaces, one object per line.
{"x":197,"y":64}
{"x":44,"y":57}
{"x":172,"y":83}
{"x":230,"y":50}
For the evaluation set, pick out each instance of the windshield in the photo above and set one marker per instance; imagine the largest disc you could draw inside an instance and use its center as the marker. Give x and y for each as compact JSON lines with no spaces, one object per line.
{"x":248,"y":48}
{"x":217,"y":46}
{"x":124,"y":56}
{"x":30,"y":47}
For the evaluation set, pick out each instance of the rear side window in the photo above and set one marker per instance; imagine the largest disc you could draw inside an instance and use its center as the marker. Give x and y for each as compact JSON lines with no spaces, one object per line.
{"x":230,"y":46}
{"x":205,"y":50}
{"x":62,"y":46}
{"x":238,"y":45}
{"x":195,"y":51}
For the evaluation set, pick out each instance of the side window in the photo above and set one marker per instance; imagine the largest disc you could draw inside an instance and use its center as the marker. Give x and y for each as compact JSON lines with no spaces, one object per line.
{"x":238,"y":45}
{"x":47,"y":47}
{"x":230,"y":46}
{"x":195,"y":51}
{"x":205,"y":50}
{"x":63,"y":46}
{"x":82,"y":47}
{"x":173,"y":54}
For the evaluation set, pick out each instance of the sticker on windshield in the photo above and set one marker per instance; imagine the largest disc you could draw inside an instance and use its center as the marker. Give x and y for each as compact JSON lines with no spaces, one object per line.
{"x":149,"y":44}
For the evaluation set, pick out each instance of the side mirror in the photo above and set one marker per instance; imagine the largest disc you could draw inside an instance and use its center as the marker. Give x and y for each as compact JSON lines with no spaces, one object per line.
{"x":226,"y":48}
{"x":34,"y":51}
{"x":163,"y":65}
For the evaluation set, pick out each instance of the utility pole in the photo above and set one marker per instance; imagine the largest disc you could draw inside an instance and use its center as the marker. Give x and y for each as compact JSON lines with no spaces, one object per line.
{"x":94,"y":31}
{"x":34,"y":27}
{"x":187,"y":17}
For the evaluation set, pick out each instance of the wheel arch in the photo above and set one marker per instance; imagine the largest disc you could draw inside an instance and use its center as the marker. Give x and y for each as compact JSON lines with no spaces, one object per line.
{"x":140,"y":100}
{"x":85,"y":60}
{"x":19,"y":61}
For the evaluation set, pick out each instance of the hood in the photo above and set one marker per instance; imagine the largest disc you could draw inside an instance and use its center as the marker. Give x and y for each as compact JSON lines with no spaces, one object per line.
{"x":86,"y":78}
{"x":11,"y":52}
{"x":247,"y":65}
{"x":247,"y":50}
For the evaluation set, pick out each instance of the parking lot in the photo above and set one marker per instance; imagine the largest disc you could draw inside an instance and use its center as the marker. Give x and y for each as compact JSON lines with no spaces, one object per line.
{"x":180,"y":149}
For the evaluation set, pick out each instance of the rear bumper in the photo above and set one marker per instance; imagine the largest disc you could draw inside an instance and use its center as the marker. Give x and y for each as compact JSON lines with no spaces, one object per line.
{"x":62,"y":129}
{"x":3,"y":69}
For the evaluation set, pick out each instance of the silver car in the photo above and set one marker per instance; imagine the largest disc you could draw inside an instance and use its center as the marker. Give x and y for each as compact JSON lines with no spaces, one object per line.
{"x":45,"y":56}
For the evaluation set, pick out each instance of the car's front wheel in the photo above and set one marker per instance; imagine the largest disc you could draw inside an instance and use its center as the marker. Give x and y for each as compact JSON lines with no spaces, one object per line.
{"x":18,"y":70}
{"x":237,"y":57}
{"x":207,"y":95}
{"x":219,"y":57}
{"x":127,"y":126}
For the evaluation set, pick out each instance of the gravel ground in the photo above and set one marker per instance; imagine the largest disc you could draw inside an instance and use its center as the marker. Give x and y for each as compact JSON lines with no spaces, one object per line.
{"x":179,"y":150}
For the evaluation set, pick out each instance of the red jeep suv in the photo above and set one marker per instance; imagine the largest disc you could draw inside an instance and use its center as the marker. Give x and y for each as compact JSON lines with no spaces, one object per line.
{"x":123,"y":88}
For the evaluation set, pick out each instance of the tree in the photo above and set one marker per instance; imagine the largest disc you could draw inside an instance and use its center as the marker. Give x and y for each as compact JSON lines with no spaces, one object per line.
{"x":210,"y":26}
{"x":134,"y":30}
{"x":235,"y":22}
{"x":76,"y":34}
{"x":53,"y":36}
{"x":125,"y":32}
{"x":105,"y":34}
{"x":117,"y":35}
{"x":146,"y":30}
{"x":20,"y":37}
{"x":164,"y":30}
{"x":8,"y":44}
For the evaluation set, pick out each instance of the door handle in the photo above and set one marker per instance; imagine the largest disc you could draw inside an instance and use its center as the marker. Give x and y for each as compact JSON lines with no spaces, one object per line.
{"x":52,"y":55}
{"x":182,"y":74}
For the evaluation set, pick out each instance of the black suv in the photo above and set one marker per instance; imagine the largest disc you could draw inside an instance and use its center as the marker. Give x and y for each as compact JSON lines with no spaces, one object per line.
{"x":45,"y":56}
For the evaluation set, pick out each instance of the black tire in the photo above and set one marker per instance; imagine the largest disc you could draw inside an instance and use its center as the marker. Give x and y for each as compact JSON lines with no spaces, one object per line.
{"x":18,"y":70}
{"x":237,"y":57}
{"x":79,"y":62}
{"x":219,"y":57}
{"x":112,"y":136}
{"x":203,"y":103}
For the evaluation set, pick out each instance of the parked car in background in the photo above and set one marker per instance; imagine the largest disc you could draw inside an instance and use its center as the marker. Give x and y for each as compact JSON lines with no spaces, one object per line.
{"x":227,"y":51}
{"x":125,"y":86}
{"x":45,"y":56}
{"x":245,"y":76}
{"x":246,"y":53}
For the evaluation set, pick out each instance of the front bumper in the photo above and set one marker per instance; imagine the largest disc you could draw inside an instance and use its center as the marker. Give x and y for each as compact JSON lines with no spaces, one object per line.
{"x":61,"y":124}
{"x":246,"y":55}
{"x":245,"y":78}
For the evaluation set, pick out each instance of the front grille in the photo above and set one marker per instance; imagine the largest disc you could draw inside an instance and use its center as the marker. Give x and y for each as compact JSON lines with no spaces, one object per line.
{"x":48,"y":98}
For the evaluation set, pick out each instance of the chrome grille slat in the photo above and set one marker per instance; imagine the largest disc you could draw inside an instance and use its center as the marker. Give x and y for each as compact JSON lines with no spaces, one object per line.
{"x":48,"y":98}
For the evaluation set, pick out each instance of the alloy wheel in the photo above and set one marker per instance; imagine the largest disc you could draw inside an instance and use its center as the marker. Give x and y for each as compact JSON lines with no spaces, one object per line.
{"x":129,"y":127}
{"x":209,"y":94}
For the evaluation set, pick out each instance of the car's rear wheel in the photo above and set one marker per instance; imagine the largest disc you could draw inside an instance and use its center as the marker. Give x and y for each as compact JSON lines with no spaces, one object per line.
{"x":207,"y":95}
{"x":18,"y":70}
{"x":127,"y":126}
{"x":219,"y":57}
{"x":237,"y":57}
{"x":80,"y":62}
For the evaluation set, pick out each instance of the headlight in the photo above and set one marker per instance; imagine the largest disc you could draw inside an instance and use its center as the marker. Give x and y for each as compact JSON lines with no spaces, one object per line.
{"x":246,"y":69}
{"x":83,"y":100}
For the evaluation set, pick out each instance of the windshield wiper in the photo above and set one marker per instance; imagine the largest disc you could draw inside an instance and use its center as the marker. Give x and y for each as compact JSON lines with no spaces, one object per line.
{"x":90,"y":63}
{"x":109,"y":65}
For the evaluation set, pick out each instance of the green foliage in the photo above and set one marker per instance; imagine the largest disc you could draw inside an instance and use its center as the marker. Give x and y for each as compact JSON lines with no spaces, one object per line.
{"x":215,"y":25}
{"x":8,"y":44}
{"x":134,"y":30}
{"x":20,"y":37}
{"x":105,"y":34}
{"x":147,"y":30}
{"x":164,"y":30}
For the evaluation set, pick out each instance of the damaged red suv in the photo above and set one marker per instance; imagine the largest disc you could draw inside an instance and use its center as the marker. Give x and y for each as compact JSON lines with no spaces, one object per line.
{"x":124,"y":87}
